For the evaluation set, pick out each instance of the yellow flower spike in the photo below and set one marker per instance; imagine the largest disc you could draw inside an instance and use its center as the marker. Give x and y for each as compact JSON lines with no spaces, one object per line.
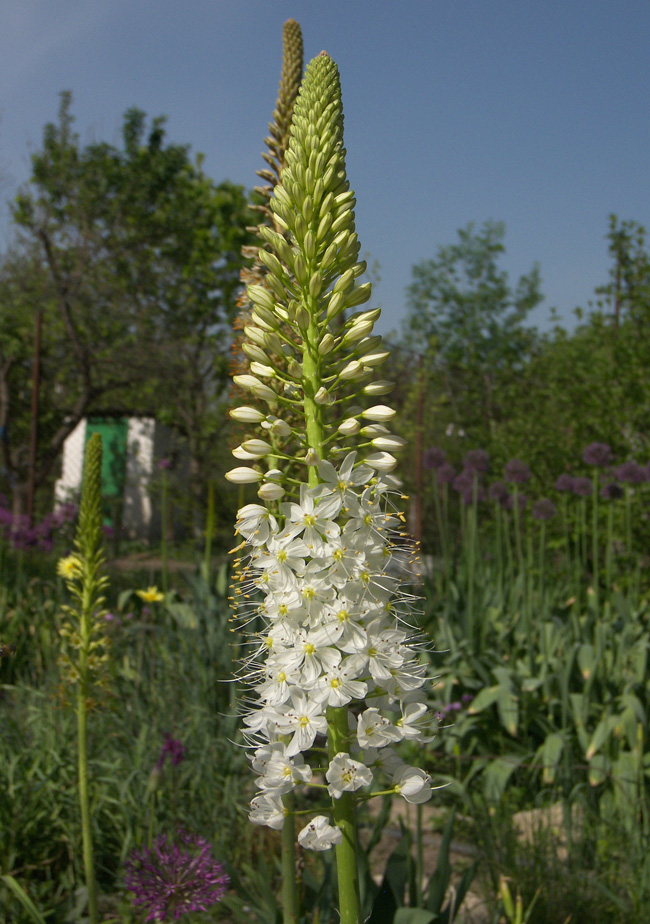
{"x":150,"y":595}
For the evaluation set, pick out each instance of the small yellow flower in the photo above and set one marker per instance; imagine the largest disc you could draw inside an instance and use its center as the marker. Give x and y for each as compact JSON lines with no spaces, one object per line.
{"x":150,"y":595}
{"x":69,"y":567}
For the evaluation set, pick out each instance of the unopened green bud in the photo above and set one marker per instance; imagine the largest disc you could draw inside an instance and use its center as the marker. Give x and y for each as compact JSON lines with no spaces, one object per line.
{"x":351,"y":370}
{"x":246,"y":414}
{"x":254,"y":352}
{"x":322,"y":396}
{"x":315,"y":284}
{"x":260,"y":296}
{"x":358,"y":332}
{"x":335,"y":305}
{"x":359,"y":295}
{"x":265,"y":318}
{"x":326,"y":344}
{"x":257,"y":447}
{"x":349,"y":427}
{"x":375,"y":359}
{"x":344,"y":283}
{"x":381,"y":387}
{"x":309,"y":244}
{"x":379,"y":412}
{"x":256,"y":335}
{"x":267,"y":372}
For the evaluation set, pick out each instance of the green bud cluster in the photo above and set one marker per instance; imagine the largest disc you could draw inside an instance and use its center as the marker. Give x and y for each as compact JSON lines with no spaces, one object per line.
{"x":84,"y":654}
{"x":312,"y":353}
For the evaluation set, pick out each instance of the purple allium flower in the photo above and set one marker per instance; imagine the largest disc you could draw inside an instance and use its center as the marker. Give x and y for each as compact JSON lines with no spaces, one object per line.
{"x":499,"y":492}
{"x":582,"y":487}
{"x":467,"y":698}
{"x":611,"y":491}
{"x":169,"y":881}
{"x":164,"y":464}
{"x":564,"y":482}
{"x":477,"y":460}
{"x":544,"y":509}
{"x":522,"y":500}
{"x":599,"y":454}
{"x":446,"y":473}
{"x":434,"y":457}
{"x":517,"y":472}
{"x":172,"y":748}
{"x":631,"y":473}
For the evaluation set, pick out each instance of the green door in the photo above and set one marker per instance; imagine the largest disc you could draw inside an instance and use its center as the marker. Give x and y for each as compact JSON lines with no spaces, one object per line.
{"x":114,"y":432}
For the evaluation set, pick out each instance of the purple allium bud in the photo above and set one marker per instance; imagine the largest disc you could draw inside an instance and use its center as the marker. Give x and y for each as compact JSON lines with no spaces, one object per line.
{"x":582,"y":487}
{"x":631,"y":473}
{"x":169,"y":882}
{"x":599,"y":454}
{"x":564,"y":482}
{"x":434,"y":457}
{"x":522,"y":500}
{"x":499,"y":492}
{"x":464,"y":481}
{"x":164,"y":464}
{"x":469,"y":494}
{"x":467,"y":698}
{"x":544,"y":509}
{"x":172,"y":748}
{"x":446,"y":473}
{"x":517,"y":472}
{"x":611,"y":491}
{"x":477,"y":460}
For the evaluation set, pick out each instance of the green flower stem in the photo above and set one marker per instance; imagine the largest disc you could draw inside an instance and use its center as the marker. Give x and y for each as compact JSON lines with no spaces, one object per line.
{"x":344,"y":811}
{"x":209,"y":532}
{"x":290,"y":897}
{"x":164,"y":516}
{"x":594,"y":539}
{"x":82,"y":749}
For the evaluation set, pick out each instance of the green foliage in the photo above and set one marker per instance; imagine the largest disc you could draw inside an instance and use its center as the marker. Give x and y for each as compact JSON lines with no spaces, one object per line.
{"x":470,"y":322}
{"x":139,"y":254}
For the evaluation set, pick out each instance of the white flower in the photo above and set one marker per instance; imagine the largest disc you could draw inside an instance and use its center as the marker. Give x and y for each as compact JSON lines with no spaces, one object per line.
{"x":374,"y":730}
{"x":412,"y":783}
{"x":305,"y":719}
{"x":282,"y":774}
{"x":267,"y":809}
{"x":410,"y":722}
{"x":336,"y":687}
{"x":346,"y":775}
{"x":319,"y":834}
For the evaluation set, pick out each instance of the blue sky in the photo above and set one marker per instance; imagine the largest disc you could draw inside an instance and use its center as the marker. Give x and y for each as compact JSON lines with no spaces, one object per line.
{"x":534,"y":113}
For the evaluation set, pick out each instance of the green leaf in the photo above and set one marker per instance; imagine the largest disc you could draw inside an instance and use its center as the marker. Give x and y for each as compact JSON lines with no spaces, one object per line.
{"x":601,"y":735}
{"x":549,"y":754}
{"x":496,"y":776}
{"x":14,"y":886}
{"x":487,"y":697}
{"x":508,"y":709}
{"x":413,"y":916}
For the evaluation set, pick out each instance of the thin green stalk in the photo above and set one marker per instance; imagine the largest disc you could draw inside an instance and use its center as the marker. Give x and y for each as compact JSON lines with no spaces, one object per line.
{"x":209,"y":532}
{"x":609,"y":552}
{"x":542,"y":567}
{"x":344,"y":811}
{"x":290,"y":896}
{"x":419,"y":853}
{"x":164,"y":528}
{"x":515,"y":514}
{"x":594,"y":541}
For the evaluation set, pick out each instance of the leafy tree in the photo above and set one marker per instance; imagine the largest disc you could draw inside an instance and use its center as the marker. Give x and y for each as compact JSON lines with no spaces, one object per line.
{"x":143,"y":255}
{"x":464,"y":313}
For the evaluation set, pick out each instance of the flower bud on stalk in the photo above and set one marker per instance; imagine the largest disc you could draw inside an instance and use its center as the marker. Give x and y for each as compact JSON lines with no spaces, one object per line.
{"x":336,"y":666}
